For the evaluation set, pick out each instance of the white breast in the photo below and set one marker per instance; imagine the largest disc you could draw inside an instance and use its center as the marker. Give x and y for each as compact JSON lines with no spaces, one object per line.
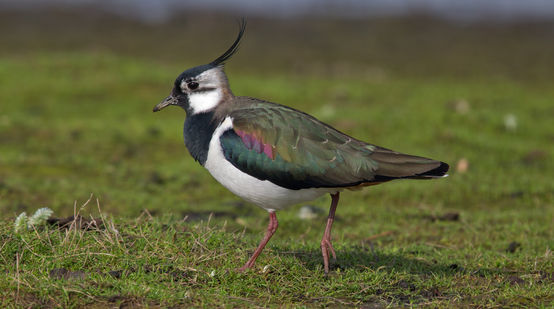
{"x":260,"y":192}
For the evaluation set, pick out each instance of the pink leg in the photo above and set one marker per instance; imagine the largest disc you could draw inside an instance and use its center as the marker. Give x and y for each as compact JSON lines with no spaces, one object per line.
{"x":271,"y":228}
{"x":326,"y":245}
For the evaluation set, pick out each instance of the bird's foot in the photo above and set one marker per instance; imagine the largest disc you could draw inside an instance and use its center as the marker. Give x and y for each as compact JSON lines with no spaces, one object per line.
{"x":329,"y":246}
{"x":326,"y":247}
{"x":241,"y":269}
{"x":244,"y":268}
{"x":271,"y":228}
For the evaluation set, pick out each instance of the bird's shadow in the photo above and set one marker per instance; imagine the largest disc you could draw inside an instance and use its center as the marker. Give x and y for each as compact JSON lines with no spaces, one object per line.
{"x":364,"y":258}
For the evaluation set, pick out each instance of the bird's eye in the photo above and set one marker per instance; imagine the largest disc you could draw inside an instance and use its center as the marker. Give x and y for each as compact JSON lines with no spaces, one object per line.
{"x":192,"y":85}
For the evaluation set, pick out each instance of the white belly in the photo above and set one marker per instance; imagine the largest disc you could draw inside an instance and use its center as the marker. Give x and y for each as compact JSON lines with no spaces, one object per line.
{"x":260,"y":192}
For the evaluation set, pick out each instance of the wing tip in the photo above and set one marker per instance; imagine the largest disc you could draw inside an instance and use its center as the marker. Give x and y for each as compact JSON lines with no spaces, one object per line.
{"x":438,"y":172}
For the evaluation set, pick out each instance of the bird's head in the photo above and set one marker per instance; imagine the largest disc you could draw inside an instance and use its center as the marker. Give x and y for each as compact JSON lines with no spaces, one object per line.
{"x":202,"y":88}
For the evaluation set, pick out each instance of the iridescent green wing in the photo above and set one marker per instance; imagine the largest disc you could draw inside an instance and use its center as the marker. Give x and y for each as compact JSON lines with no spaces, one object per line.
{"x":294,"y":150}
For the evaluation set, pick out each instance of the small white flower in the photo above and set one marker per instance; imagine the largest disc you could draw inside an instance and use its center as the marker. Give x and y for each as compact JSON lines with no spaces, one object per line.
{"x":39,"y":217}
{"x":212,"y":274}
{"x":20,"y":223}
{"x":265,"y":269}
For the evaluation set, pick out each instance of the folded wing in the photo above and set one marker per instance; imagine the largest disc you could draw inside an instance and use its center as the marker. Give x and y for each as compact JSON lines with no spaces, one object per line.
{"x":296,"y":151}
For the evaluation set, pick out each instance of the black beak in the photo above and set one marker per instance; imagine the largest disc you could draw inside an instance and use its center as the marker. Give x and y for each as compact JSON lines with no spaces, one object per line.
{"x":171,"y":100}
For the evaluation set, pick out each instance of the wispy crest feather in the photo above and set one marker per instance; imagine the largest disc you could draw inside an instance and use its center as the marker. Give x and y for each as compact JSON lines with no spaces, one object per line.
{"x":233,"y":49}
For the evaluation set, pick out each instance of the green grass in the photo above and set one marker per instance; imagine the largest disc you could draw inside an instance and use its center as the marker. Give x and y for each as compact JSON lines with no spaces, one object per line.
{"x":167,"y":261}
{"x":78,"y":123}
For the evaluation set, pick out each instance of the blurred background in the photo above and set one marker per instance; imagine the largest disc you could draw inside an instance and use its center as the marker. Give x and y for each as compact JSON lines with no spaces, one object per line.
{"x":466,"y":82}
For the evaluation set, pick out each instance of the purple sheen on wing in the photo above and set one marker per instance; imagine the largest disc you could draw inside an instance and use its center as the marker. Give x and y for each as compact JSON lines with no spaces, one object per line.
{"x":246,"y":139}
{"x":268,"y":150}
{"x":249,"y":141}
{"x":256,"y":144}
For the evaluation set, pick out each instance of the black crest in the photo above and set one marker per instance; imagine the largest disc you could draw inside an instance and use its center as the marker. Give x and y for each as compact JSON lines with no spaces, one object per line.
{"x":233,"y":49}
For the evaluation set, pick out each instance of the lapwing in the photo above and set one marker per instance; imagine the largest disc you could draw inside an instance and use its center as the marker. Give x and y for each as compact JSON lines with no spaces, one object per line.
{"x":275,"y":156}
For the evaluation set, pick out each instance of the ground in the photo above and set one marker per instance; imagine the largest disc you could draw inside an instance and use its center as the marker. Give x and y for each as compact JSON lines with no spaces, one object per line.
{"x":78,"y":136}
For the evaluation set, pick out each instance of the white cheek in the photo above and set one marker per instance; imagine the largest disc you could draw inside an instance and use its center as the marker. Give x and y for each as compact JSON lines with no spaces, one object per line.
{"x":204,"y":101}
